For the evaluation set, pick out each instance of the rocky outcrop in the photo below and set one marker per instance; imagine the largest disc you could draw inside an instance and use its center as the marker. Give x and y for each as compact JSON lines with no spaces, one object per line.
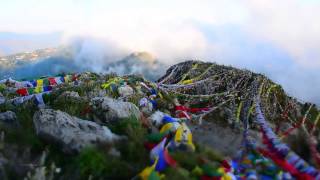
{"x":70,"y":132}
{"x":110,"y":110}
{"x":196,"y":78}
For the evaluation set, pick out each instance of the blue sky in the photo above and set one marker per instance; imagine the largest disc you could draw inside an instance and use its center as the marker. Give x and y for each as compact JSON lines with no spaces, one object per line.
{"x":278,"y":38}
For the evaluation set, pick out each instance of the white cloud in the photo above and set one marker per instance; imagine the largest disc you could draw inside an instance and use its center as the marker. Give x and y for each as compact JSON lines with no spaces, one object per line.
{"x":290,"y":24}
{"x":172,"y":30}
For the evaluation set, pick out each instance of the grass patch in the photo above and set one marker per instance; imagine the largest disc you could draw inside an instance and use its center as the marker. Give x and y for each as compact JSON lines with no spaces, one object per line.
{"x":24,"y":134}
{"x":132,"y":150}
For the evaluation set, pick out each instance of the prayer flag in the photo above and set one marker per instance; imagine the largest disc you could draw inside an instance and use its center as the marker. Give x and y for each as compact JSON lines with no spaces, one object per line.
{"x":30,"y":91}
{"x":52,"y":81}
{"x":38,"y":89}
{"x":46,"y":82}
{"x":39,"y":82}
{"x":22,"y":92}
{"x":47,"y":88}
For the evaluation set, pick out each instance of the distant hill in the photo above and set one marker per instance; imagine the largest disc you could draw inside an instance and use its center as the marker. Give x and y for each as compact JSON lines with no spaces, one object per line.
{"x":11,"y":43}
{"x":52,"y":61}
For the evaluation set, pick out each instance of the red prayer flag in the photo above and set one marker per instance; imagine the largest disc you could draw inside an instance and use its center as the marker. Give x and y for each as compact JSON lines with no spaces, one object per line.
{"x":226,"y":165}
{"x":192,"y":110}
{"x":169,"y":159}
{"x":22,"y":92}
{"x":52,"y":81}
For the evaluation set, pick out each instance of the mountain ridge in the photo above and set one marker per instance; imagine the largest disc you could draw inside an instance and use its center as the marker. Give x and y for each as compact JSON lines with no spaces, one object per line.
{"x":201,"y":115}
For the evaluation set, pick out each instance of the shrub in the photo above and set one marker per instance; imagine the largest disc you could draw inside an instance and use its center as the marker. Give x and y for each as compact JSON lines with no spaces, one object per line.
{"x":91,"y":162}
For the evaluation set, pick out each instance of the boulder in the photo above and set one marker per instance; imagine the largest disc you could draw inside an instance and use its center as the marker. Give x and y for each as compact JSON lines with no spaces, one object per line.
{"x":70,"y":95}
{"x":111,"y":110}
{"x":70,"y":132}
{"x":125,"y":91}
{"x":8,"y":117}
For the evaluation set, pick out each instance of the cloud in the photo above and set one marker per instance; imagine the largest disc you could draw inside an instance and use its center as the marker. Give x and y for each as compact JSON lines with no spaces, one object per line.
{"x":278,"y":38}
{"x":289,"y":24}
{"x":92,"y":54}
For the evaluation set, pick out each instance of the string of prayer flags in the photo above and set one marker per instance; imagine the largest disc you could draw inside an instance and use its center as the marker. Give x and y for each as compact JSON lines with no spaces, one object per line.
{"x":281,"y":153}
{"x":38,"y":99}
{"x":30,"y":91}
{"x":191,"y":110}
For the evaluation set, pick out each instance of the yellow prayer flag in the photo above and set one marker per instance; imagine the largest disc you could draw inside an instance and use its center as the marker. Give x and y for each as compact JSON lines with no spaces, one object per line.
{"x":40,"y":82}
{"x":38,"y":89}
{"x":166,"y":127}
{"x":148,"y":170}
{"x":187,"y":81}
{"x":178,"y":136}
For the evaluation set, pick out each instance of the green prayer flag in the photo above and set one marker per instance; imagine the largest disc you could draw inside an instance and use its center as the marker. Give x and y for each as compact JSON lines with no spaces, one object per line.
{"x":46,"y":82}
{"x":30,"y":91}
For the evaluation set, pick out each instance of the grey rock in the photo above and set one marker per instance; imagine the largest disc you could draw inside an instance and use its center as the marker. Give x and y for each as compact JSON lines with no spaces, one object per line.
{"x":125,"y":91}
{"x":70,"y":132}
{"x":223,"y":139}
{"x":110,"y":110}
{"x":70,"y":95}
{"x":8,"y":117}
{"x":2,"y":99}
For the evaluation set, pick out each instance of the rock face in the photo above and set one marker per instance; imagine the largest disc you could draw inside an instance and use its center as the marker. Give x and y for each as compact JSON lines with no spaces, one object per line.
{"x":8,"y":117}
{"x":70,"y":132}
{"x":110,"y":110}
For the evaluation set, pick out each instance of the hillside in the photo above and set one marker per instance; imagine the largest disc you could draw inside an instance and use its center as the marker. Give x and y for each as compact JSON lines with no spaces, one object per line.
{"x":11,"y":61}
{"x":51,"y":61}
{"x":198,"y":121}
